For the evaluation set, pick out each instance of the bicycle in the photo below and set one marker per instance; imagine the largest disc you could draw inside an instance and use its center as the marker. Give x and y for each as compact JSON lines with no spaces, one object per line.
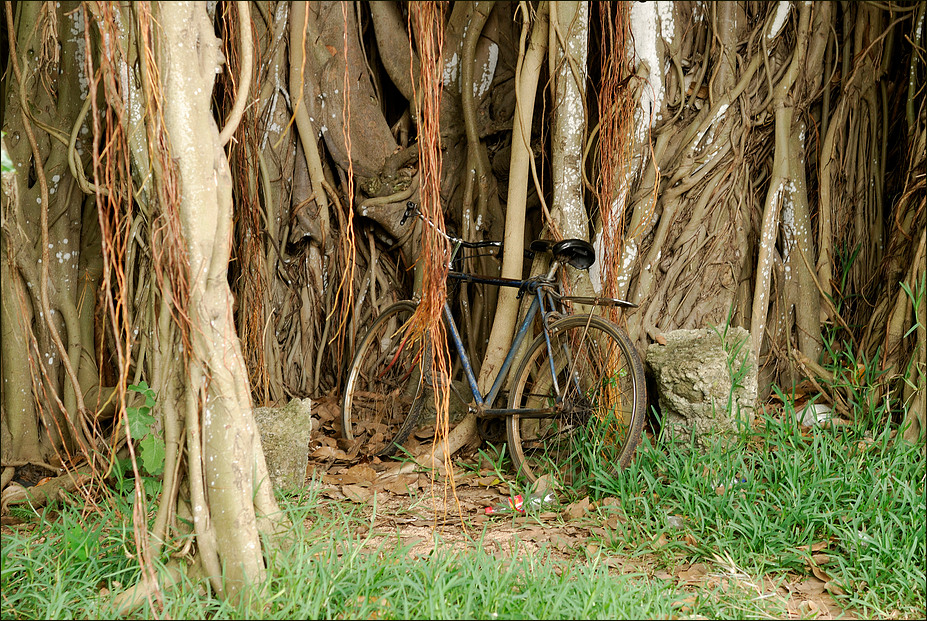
{"x":577,"y":398}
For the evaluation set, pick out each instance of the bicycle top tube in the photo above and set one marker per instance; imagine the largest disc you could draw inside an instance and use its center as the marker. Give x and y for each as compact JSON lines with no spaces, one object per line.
{"x":531,"y":284}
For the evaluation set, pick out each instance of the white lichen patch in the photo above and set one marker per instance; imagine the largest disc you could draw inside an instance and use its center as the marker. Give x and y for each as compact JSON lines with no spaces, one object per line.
{"x":650,"y":22}
{"x":481,"y":87}
{"x":782,"y":13}
{"x":77,"y":39}
{"x":451,"y":70}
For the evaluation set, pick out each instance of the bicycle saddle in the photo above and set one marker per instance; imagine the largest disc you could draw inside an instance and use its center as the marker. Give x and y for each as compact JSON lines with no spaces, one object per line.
{"x":576,"y":252}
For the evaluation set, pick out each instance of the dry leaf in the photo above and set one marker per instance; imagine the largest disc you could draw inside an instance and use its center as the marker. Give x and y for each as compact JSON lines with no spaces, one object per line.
{"x":820,"y":574}
{"x":811,"y":586}
{"x":323,"y":452}
{"x":694,"y":573}
{"x":816,"y":547}
{"x":833,"y":589}
{"x":661,"y":339}
{"x":615,"y":563}
{"x":361,"y":473}
{"x":356,"y":493}
{"x":577,"y":509}
{"x":686,"y":603}
{"x":613,"y":521}
{"x":808,"y":608}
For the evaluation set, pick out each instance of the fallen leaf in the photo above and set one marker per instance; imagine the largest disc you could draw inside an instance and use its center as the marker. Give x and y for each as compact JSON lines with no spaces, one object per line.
{"x":324,"y":452}
{"x":600,"y":532}
{"x":425,"y":433}
{"x":685,"y":603}
{"x":361,"y":473}
{"x":356,"y":493}
{"x":809,"y":608}
{"x":820,"y":574}
{"x":661,"y":339}
{"x":404,"y":485}
{"x":811,"y":586}
{"x":542,"y":485}
{"x":815,"y":547}
{"x":662,"y":575}
{"x":562,"y":543}
{"x":577,"y":509}
{"x":614,"y":520}
{"x":694,"y":574}
{"x":615,"y":563}
{"x":833,"y":588}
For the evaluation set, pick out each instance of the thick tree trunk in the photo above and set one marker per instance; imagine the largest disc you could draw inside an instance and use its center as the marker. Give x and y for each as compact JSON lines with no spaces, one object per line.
{"x":232,"y":476}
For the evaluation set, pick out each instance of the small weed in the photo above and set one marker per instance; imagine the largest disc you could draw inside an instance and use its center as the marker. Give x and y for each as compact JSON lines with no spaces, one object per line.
{"x":148,"y":440}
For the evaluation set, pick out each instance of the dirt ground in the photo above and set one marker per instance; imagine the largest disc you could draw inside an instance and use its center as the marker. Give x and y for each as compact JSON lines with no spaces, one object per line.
{"x":418,"y":508}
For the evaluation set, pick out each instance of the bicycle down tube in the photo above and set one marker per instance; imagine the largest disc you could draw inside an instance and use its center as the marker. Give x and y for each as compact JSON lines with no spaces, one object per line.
{"x":482,"y":401}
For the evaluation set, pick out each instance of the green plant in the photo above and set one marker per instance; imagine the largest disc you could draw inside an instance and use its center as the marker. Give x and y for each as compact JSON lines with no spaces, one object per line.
{"x":738,"y":366}
{"x":149,"y":442}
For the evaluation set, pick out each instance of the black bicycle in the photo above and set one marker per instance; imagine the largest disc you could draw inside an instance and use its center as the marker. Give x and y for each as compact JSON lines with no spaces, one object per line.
{"x":576,"y":403}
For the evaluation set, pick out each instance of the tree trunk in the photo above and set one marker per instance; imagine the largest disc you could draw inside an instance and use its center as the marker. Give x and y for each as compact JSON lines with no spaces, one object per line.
{"x":231,"y":476}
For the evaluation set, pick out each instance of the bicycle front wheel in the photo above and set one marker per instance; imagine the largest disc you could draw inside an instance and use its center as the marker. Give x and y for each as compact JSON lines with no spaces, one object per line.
{"x":383,"y":393}
{"x":583,"y":402}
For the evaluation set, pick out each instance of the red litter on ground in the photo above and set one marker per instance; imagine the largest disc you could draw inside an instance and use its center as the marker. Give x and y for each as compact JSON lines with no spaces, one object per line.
{"x":515,"y":503}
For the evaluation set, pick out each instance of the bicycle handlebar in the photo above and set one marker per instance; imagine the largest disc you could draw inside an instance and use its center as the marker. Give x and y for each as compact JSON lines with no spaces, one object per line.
{"x":411,"y":208}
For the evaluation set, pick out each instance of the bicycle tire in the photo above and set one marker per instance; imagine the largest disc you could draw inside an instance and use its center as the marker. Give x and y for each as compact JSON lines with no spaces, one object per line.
{"x":383,"y":393}
{"x":586,"y":439}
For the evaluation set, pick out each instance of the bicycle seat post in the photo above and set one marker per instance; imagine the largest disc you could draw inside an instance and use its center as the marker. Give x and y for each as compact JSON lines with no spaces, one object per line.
{"x":552,"y":272}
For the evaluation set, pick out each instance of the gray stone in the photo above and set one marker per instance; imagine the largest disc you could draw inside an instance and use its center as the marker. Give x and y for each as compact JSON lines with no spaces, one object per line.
{"x":706,"y":385}
{"x":285,"y":440}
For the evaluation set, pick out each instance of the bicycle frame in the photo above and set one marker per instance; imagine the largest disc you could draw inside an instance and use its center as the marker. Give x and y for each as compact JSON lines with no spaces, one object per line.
{"x":535,"y":287}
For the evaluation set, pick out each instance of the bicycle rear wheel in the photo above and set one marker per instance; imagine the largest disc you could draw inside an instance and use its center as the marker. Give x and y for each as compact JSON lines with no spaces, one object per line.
{"x":599,"y":415}
{"x":383,"y":393}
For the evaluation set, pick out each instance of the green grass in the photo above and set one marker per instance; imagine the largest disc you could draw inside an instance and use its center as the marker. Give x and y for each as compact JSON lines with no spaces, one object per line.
{"x":859,"y":496}
{"x":57,"y":570}
{"x":764,"y":507}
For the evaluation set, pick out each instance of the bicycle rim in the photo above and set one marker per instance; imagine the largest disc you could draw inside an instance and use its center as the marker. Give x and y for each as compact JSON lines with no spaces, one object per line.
{"x":601,"y":405}
{"x":384,"y":385}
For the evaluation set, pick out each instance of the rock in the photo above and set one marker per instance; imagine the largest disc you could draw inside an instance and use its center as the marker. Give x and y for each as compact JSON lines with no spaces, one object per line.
{"x":706,"y":385}
{"x":285,"y":440}
{"x":814,"y":414}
